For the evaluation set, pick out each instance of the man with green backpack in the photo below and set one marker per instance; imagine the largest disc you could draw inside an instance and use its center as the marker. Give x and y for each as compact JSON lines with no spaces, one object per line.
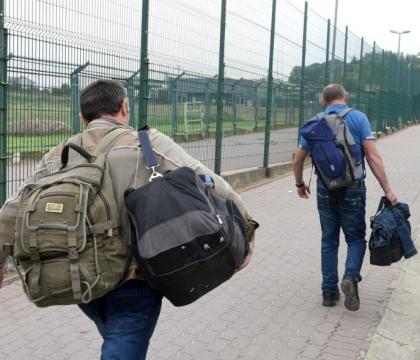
{"x":68,"y":228}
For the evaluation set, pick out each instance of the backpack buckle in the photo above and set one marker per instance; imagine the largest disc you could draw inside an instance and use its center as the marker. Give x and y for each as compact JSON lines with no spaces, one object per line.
{"x":73,"y":254}
{"x":34,"y":254}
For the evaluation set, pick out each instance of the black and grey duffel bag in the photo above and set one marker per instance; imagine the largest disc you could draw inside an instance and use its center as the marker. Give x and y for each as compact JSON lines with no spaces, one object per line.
{"x":188,"y":239}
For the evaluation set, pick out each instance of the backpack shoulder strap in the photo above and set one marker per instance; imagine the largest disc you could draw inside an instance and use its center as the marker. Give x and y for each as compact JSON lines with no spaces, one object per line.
{"x":103,"y":146}
{"x":344,"y":112}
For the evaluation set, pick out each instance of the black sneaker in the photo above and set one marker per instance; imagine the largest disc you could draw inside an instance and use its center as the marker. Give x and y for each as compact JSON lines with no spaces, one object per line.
{"x":351,"y":293}
{"x":330,"y":299}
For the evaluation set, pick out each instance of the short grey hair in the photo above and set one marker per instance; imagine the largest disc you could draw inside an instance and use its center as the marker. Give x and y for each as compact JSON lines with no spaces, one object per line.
{"x":333,"y":92}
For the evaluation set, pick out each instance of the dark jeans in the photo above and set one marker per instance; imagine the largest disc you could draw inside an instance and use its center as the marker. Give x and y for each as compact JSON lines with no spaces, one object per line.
{"x":126,"y":318}
{"x":345,"y":209}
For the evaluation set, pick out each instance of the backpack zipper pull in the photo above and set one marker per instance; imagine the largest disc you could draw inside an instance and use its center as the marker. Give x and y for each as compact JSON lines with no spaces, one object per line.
{"x":220,"y":219}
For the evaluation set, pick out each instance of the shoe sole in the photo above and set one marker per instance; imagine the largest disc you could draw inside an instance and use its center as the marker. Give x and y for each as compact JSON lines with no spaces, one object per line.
{"x":351,"y":301}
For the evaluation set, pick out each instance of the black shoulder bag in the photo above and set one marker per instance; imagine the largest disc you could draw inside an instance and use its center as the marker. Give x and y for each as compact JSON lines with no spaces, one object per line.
{"x":188,"y":240}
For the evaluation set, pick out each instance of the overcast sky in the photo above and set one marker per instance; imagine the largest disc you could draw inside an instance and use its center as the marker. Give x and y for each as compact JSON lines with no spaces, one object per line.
{"x":374,"y":18}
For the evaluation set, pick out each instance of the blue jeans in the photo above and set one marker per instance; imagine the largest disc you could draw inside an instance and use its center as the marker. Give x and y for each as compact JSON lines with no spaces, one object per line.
{"x":126,"y":318}
{"x":342,"y":208}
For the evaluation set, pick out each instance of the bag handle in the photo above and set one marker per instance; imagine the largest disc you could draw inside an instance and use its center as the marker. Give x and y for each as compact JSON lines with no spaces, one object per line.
{"x":149,"y":155}
{"x":383,"y":203}
{"x":77,"y":148}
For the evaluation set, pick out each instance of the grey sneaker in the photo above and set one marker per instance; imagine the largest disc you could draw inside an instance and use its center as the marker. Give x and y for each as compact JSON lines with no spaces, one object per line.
{"x":351,"y":293}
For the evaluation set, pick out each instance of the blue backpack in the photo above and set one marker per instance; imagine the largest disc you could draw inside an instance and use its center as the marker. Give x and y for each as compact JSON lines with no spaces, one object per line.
{"x":337,"y":158}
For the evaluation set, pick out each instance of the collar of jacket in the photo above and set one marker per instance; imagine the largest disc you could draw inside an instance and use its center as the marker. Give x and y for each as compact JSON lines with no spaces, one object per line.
{"x":105,"y":122}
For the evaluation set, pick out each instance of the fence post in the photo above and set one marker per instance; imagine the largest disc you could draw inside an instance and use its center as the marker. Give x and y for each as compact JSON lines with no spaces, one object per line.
{"x":380,"y":111}
{"x":360,"y":73}
{"x":3,"y":108}
{"x":269,"y":87}
{"x":275,"y":102}
{"x":130,"y":96}
{"x":220,"y":90}
{"x":286,"y":106}
{"x":410,"y":96}
{"x":409,"y":75}
{"x":255,"y":101}
{"x":346,"y":40}
{"x":234,"y":109}
{"x":327,"y":54}
{"x":372,"y":69}
{"x":397,"y":74}
{"x":302,"y":73}
{"x":144,"y":65}
{"x":75,"y":98}
{"x":208,"y":103}
{"x":173,"y":94}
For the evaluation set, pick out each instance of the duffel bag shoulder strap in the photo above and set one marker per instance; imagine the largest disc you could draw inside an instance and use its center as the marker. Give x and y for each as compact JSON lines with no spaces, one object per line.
{"x":149,"y":155}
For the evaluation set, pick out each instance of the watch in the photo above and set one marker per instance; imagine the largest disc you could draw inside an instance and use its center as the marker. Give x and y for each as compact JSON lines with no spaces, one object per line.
{"x":301,"y":185}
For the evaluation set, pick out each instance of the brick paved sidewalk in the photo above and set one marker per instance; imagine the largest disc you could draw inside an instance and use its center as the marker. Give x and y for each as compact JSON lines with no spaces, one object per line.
{"x":271,"y":310}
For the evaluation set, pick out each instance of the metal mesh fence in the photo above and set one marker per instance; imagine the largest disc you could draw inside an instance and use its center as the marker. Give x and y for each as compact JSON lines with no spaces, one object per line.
{"x":234,"y":101}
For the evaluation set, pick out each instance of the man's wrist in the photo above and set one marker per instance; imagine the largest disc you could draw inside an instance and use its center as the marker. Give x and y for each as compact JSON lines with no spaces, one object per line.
{"x":300,"y":184}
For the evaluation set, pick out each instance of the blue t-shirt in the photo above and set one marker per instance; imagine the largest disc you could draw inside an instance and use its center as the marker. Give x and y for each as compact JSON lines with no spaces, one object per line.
{"x":356,"y":121}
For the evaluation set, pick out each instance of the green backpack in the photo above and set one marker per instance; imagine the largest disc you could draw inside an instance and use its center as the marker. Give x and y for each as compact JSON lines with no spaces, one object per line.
{"x":67,"y":234}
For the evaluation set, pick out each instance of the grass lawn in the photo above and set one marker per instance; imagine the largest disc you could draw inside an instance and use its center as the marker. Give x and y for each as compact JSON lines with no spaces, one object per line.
{"x":25,"y":107}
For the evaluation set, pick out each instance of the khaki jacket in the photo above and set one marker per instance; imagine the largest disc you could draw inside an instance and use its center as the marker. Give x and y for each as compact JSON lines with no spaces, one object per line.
{"x":127,"y":169}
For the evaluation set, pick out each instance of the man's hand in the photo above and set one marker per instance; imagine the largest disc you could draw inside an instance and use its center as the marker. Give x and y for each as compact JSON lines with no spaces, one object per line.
{"x":391,"y":197}
{"x":304,"y":191}
{"x":298,"y":162}
{"x":1,"y":276}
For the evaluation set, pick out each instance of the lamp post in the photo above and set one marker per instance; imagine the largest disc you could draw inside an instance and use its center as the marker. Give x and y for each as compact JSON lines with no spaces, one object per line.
{"x":399,"y":33}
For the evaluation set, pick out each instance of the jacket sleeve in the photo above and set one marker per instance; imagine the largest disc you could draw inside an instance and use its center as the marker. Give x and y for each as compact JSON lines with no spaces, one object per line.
{"x":173,"y":156}
{"x":9,"y":210}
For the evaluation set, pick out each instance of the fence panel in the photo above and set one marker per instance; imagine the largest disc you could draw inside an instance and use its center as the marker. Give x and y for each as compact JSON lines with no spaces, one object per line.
{"x":246,"y":59}
{"x":286,"y":89}
{"x":51,"y":49}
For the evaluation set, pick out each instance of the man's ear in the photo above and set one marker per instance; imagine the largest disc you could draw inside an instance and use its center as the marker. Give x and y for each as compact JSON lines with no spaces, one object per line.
{"x":83,"y":120}
{"x":124,"y":107}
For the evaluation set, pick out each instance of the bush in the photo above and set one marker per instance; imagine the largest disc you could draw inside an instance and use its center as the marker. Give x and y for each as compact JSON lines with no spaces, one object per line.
{"x":38,"y":127}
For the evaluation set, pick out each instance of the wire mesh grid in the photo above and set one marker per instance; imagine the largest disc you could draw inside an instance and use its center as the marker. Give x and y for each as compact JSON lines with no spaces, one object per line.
{"x":54,"y":48}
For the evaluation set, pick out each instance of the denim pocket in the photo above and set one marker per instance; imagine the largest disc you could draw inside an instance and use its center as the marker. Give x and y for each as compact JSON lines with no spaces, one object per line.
{"x":354,"y":199}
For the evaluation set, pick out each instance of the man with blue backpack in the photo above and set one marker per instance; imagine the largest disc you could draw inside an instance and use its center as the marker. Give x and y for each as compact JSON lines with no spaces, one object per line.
{"x":338,"y":140}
